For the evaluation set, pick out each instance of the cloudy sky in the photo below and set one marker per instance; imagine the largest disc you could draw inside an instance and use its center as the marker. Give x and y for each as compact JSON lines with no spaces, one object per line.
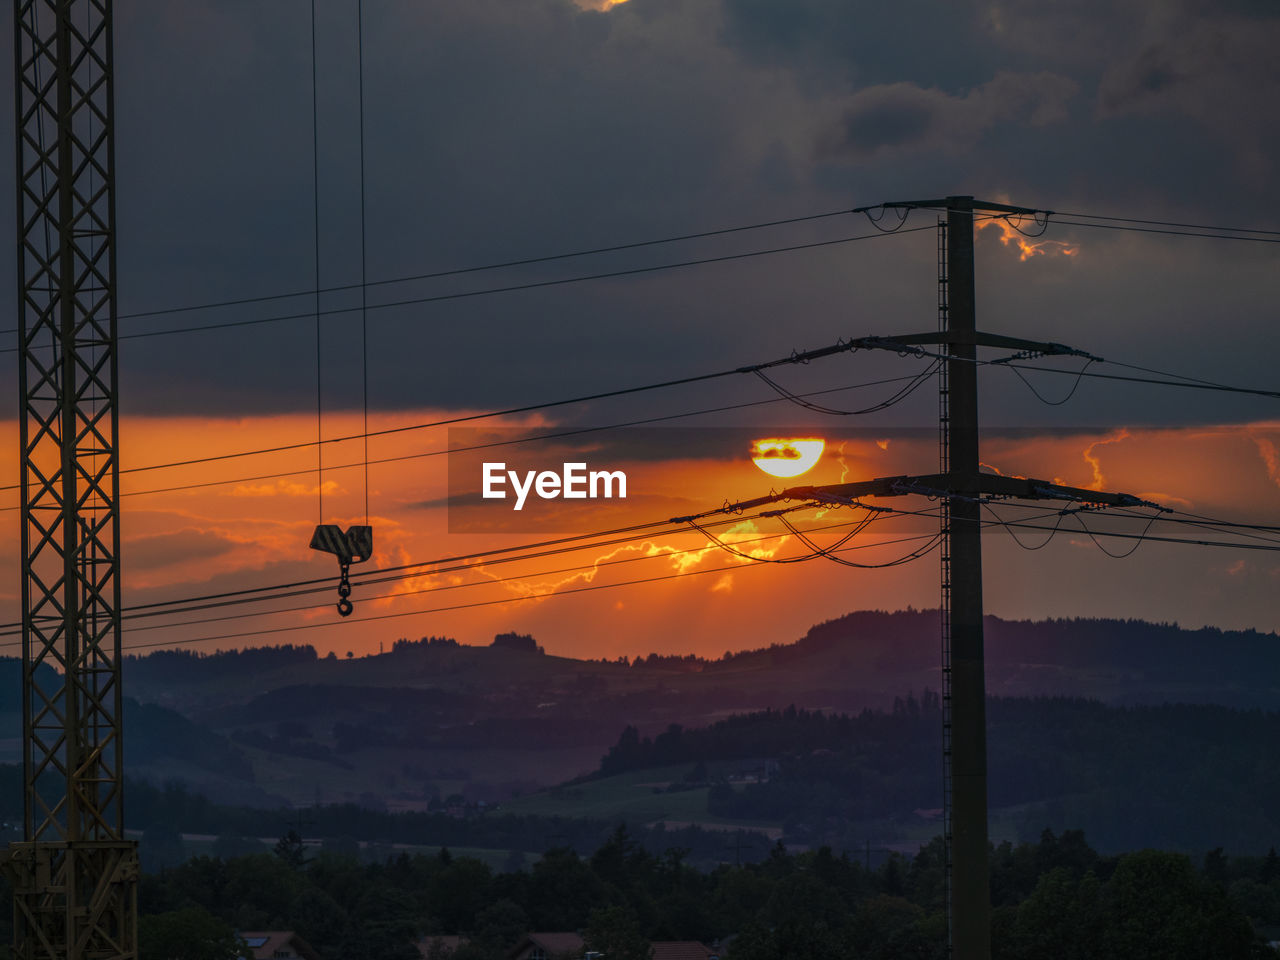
{"x":502,"y":130}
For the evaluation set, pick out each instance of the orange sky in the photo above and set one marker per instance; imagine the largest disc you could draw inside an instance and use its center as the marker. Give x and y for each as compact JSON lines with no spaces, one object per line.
{"x":255,"y":532}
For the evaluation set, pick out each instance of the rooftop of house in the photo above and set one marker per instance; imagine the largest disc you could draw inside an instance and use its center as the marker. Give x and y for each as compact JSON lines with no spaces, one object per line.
{"x":277,"y":945}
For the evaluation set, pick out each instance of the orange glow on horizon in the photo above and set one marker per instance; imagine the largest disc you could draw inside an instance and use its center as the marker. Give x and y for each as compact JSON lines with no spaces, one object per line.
{"x":668,"y":591}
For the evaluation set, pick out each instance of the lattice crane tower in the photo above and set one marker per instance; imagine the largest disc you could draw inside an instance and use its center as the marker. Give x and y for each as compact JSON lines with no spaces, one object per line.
{"x":74,"y":874}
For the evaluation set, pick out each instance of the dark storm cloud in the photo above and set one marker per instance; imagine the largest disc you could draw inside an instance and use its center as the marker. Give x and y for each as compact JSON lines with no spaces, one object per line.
{"x":499,"y":130}
{"x":859,"y":44}
{"x":904,"y":116}
{"x":1220,"y":73}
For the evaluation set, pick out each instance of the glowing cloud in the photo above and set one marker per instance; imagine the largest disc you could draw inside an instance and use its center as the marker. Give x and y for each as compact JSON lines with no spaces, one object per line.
{"x":601,"y":5}
{"x":786,"y":458}
{"x":1028,"y":247}
{"x":1094,"y":459}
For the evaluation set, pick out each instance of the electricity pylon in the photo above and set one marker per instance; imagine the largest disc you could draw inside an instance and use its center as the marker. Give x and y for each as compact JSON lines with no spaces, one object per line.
{"x":960,"y":488}
{"x":74,"y":874}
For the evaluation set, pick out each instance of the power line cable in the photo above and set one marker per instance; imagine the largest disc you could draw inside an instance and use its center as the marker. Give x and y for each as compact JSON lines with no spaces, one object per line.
{"x":817,"y":551}
{"x":1196,"y":519}
{"x":828,"y":554}
{"x":1150,"y":537}
{"x":463,"y":562}
{"x":502,"y":265}
{"x":1011,"y":363}
{"x":529,"y":261}
{"x":735,"y":518}
{"x":418,"y":565}
{"x":665,"y":554}
{"x":799,"y":400}
{"x":1169,"y":223}
{"x":532,"y":285}
{"x":1070,"y":393}
{"x":1168,"y":231}
{"x":1190,"y":382}
{"x":732,"y":549}
{"x":454,"y":607}
{"x":452,"y":421}
{"x":502,"y":555}
{"x":592,"y":588}
{"x":411,"y":571}
{"x":1184,"y":383}
{"x":560,"y":434}
{"x":1257,"y":532}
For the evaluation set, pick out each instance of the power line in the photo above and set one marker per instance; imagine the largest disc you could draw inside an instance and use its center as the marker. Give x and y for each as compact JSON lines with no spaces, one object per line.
{"x":1168,"y":231}
{"x":1185,"y":383}
{"x":411,"y":571}
{"x":1070,"y":393}
{"x":378,"y":576}
{"x":433,"y":453}
{"x":757,"y":368}
{"x":453,"y":607}
{"x":420,"y":566}
{"x":501,"y":265}
{"x":1153,"y":538}
{"x":408,"y":571}
{"x":613,"y":248}
{"x":1169,"y":223}
{"x":279,"y":591}
{"x":562,"y":545}
{"x":930,"y":538}
{"x":1182,"y":380}
{"x":532,"y":285}
{"x":502,"y":555}
{"x":381,"y":576}
{"x":1196,"y":519}
{"x":665,"y":554}
{"x":1043,"y":218}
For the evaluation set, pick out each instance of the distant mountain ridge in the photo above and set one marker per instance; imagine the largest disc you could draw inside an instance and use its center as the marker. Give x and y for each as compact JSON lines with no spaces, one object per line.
{"x":433,"y":717}
{"x":1121,"y":661}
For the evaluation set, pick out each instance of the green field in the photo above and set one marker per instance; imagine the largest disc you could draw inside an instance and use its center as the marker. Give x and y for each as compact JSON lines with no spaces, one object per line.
{"x":641,"y":796}
{"x":381,"y":770}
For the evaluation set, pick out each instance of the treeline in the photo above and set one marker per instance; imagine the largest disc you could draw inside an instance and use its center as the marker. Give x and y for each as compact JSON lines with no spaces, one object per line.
{"x":1053,"y":898}
{"x":770,"y":733}
{"x":165,"y":813}
{"x":1140,"y":656}
{"x":1171,"y":777}
{"x":192,"y":664}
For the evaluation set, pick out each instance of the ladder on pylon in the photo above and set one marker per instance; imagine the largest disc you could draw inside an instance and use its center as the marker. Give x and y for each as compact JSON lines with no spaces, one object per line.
{"x":944,"y":519}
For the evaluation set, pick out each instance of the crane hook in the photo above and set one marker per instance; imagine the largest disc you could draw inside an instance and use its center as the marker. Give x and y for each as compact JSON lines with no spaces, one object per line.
{"x":354,"y":546}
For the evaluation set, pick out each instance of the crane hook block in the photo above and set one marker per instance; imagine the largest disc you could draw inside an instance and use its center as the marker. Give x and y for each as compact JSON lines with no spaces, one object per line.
{"x":354,"y":546}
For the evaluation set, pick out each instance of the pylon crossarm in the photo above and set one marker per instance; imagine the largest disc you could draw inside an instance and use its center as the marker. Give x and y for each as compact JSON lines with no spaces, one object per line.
{"x":911,"y":342}
{"x":966,"y":486}
{"x":982,"y":206}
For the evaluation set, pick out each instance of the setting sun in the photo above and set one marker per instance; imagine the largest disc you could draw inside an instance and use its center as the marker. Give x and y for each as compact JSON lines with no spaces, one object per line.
{"x":786,"y":458}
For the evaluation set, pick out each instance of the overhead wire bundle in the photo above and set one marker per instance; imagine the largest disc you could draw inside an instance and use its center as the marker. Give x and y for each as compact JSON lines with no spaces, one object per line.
{"x":906,"y":385}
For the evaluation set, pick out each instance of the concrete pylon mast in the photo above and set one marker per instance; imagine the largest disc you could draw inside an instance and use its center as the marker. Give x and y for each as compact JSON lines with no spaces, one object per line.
{"x":74,"y":874}
{"x":962,"y":489}
{"x":960,"y":486}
